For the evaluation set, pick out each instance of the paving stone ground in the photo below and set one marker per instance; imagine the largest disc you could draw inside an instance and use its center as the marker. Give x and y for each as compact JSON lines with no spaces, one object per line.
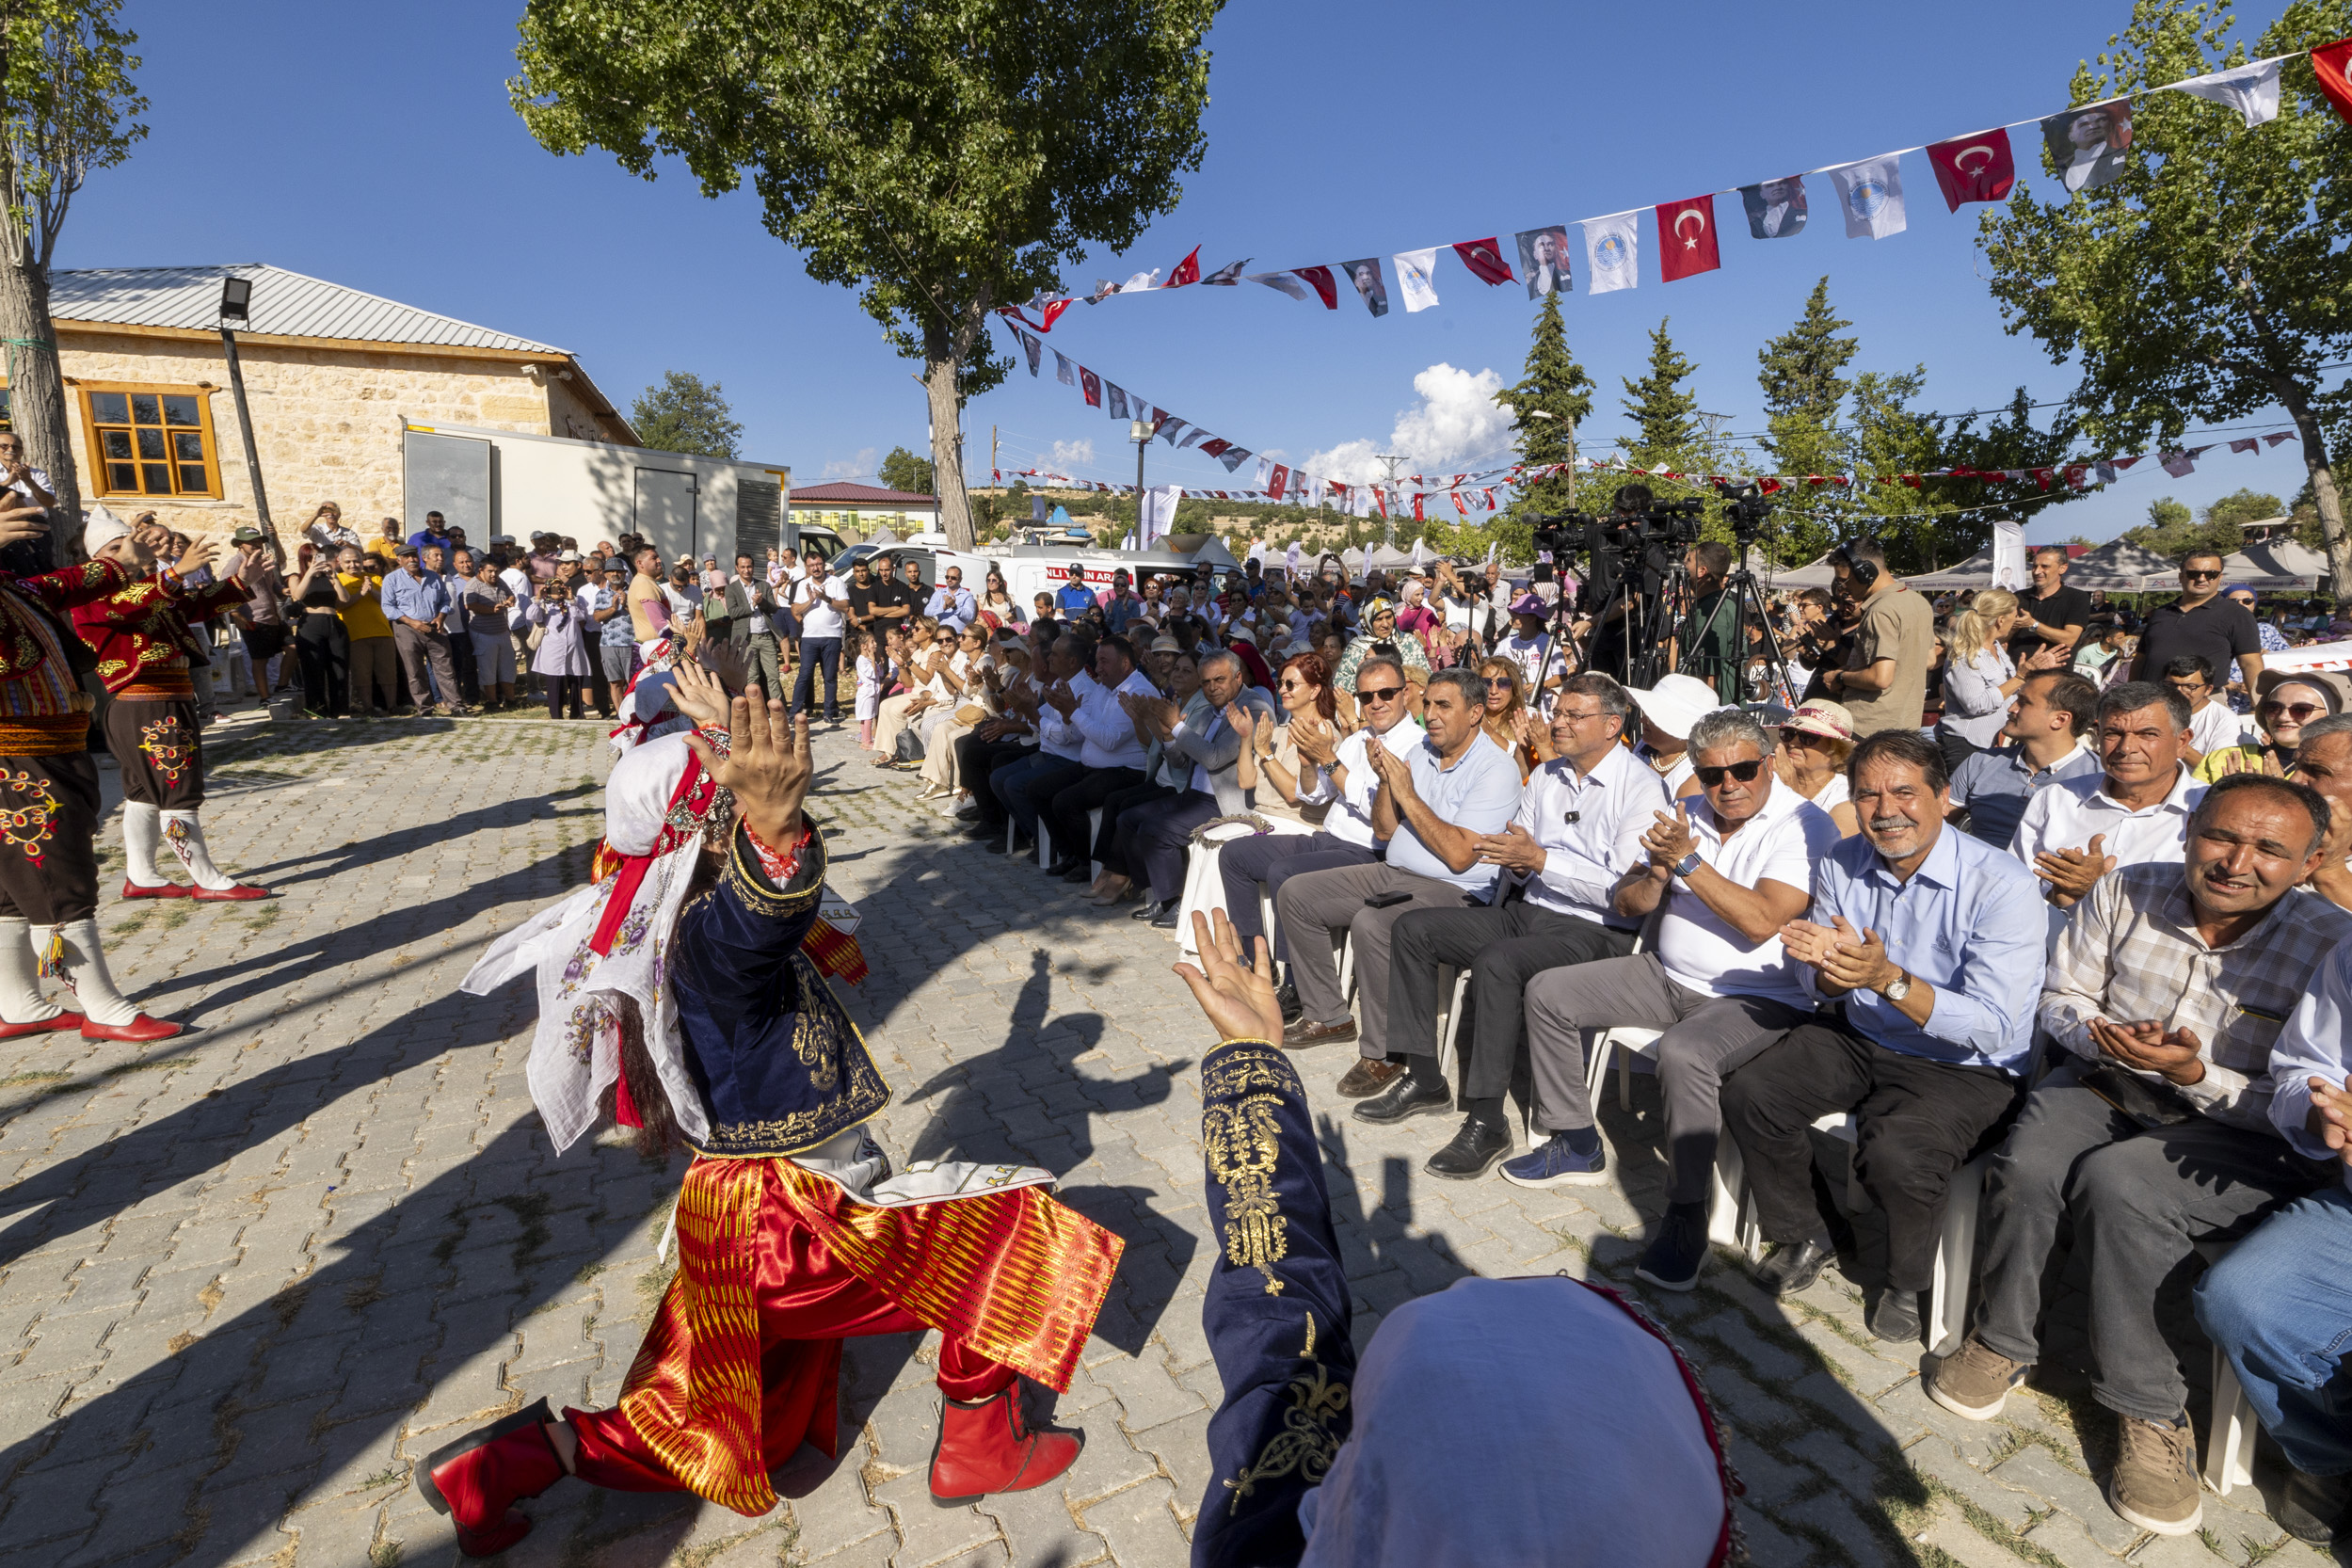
{"x":248,"y":1276}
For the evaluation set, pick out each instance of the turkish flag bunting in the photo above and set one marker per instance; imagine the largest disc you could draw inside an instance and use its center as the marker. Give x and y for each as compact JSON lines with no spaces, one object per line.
{"x":1281,"y":480}
{"x":1686,"y":238}
{"x":2332,"y":65}
{"x":1215,"y":446}
{"x":1416,"y":506}
{"x":1973,"y":168}
{"x":1484,"y":258}
{"x":1322,"y":282}
{"x":1457,"y":506}
{"x":1187,"y":271}
{"x":1090,"y":385}
{"x":2248,"y":444}
{"x":1049,"y":313}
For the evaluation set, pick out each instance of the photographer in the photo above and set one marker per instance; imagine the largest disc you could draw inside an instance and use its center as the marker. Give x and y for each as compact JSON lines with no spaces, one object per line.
{"x":1707,"y":631}
{"x":1600,"y":598}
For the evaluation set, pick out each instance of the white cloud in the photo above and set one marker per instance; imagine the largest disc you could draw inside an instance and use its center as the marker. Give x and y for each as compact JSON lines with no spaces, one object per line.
{"x":1066,"y":455}
{"x":860,"y":466}
{"x":1456,"y":419}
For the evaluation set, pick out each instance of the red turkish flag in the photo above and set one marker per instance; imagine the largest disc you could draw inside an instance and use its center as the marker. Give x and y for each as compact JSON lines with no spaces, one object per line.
{"x":1215,"y":446}
{"x":1049,"y":313}
{"x":1279,"y":482}
{"x":1416,"y":506}
{"x":1319,"y":277}
{"x":1457,"y":506}
{"x":1187,"y":271}
{"x":1686,"y":238}
{"x":2332,"y":65}
{"x":1091,"y":384}
{"x":1973,"y":168}
{"x":1484,"y":258}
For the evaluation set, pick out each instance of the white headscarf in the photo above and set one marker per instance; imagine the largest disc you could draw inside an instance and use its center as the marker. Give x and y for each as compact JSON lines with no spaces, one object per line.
{"x":1520,"y":1420}
{"x":656,"y":805}
{"x":101,"y":528}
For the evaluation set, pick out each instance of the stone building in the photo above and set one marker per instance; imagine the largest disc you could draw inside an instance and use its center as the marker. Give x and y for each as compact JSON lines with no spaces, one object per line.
{"x":333,"y":377}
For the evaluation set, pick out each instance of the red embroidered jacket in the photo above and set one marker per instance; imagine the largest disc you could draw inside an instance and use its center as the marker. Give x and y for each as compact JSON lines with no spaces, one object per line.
{"x":43,"y":709}
{"x":141,"y":632}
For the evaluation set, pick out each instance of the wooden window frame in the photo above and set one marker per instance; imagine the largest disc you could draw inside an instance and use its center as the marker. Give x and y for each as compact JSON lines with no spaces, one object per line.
{"x":97,"y":459}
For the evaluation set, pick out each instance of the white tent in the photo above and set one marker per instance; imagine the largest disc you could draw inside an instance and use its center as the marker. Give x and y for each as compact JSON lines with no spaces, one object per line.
{"x":1813,"y":574}
{"x":2282,"y":566}
{"x":1974,"y":572}
{"x":2123,"y":568}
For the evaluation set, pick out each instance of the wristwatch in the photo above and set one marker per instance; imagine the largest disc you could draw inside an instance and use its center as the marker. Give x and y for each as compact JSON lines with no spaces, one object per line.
{"x":1687,"y":864}
{"x":1897,"y":989}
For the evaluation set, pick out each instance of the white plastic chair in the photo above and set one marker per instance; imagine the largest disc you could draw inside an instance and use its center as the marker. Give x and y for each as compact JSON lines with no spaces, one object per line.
{"x":2230,"y":1433}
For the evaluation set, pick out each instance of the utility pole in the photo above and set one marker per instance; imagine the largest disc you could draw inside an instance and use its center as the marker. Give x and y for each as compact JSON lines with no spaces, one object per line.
{"x":1139,"y":432}
{"x":1392,"y":459}
{"x":236,"y":295}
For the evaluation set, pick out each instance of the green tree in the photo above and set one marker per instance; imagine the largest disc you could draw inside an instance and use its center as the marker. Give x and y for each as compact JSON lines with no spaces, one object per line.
{"x":2209,"y":281}
{"x":944,"y":159}
{"x":1664,"y":416}
{"x":903,"y":470}
{"x":1803,"y":388}
{"x":2242,"y":507}
{"x":1554,"y":396}
{"x":66,"y":108}
{"x":683,"y":413}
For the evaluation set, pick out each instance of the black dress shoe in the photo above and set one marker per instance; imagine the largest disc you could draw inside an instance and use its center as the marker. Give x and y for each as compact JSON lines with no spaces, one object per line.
{"x":1166,"y":918}
{"x":1895,"y":1318}
{"x":1081,"y":873}
{"x":1151,"y":910}
{"x":1064,"y":866}
{"x":1292,"y":1008}
{"x":1795,"y":1265}
{"x":985,"y":830}
{"x":1475,"y":1150}
{"x":1403,"y":1098}
{"x":2316,"y":1508}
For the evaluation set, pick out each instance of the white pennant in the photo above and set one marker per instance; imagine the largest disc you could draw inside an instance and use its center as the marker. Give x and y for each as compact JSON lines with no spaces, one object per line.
{"x":1415,"y":269}
{"x":1871,"y":195}
{"x":1612,"y":252}
{"x":2251,"y":89}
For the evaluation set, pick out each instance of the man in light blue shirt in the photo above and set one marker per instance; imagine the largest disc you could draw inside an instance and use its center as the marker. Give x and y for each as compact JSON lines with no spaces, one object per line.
{"x":1932,"y":941}
{"x":416,"y":601}
{"x":1437,"y":798}
{"x":951,"y":603}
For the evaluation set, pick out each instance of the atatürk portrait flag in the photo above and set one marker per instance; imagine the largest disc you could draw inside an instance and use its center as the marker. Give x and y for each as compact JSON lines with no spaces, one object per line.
{"x":1973,"y":168}
{"x":1686,"y":238}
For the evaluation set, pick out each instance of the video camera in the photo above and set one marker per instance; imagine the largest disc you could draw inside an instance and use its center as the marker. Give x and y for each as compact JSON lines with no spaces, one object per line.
{"x":1746,"y":509}
{"x":1615,"y":540}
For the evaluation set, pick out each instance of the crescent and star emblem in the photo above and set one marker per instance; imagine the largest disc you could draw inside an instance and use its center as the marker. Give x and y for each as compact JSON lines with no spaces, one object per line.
{"x":1690,"y":242}
{"x":1960,"y":159}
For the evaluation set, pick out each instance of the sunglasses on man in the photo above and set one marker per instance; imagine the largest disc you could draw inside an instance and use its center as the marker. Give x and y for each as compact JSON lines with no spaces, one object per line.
{"x":1745,"y":772}
{"x":1385,"y":694}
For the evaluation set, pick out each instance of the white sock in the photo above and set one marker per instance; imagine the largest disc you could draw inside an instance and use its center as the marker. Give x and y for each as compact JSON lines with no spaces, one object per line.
{"x":21,"y":1002}
{"x":142,"y":830}
{"x":186,"y":836}
{"x":72,"y":953}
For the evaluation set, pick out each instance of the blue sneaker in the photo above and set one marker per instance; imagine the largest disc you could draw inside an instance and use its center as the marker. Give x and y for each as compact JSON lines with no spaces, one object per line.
{"x":1555,"y":1162}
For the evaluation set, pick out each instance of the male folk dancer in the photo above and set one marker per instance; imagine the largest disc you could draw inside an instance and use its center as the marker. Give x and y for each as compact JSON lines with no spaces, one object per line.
{"x":679,"y":985}
{"x":49,"y":807}
{"x":140,"y":635}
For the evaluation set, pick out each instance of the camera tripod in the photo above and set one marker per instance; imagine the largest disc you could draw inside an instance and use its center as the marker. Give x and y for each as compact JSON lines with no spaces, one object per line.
{"x":1745,"y":601}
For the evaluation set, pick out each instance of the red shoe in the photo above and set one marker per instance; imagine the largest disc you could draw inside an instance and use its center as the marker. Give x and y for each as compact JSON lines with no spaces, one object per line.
{"x":141,"y":1028}
{"x":41,"y":1026}
{"x":983,"y":1448}
{"x":234,"y":894}
{"x":169,"y":889}
{"x":477,"y":1478}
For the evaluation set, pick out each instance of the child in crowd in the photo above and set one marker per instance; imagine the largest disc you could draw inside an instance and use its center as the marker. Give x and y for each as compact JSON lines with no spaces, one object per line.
{"x":869,"y":686}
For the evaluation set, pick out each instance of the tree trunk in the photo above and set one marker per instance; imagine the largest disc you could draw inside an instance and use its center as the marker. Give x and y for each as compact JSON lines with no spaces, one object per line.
{"x":37,"y":403}
{"x":2324,"y":489}
{"x":947,"y":449}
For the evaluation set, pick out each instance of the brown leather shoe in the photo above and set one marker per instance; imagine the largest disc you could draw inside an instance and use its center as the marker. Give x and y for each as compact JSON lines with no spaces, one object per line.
{"x":1307,"y":1031}
{"x":1368,"y":1078}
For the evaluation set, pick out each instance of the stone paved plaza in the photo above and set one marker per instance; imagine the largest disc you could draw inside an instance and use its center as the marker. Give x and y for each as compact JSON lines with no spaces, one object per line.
{"x":247,"y":1276}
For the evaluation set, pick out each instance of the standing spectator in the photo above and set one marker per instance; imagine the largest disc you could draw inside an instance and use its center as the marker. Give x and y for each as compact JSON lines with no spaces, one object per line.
{"x":461,"y":628}
{"x":2167,"y":987}
{"x":366,"y":643}
{"x":952,"y":604}
{"x":617,"y":646}
{"x":712,"y":578}
{"x":1578,"y":830}
{"x":1884,"y":684}
{"x":416,"y":601}
{"x":999,"y":609}
{"x":1929,"y":940}
{"x":1709,"y":649}
{"x":1121,"y":607}
{"x":1076,"y":598}
{"x":2273,"y":640}
{"x":1436,"y":800}
{"x":489,"y":603}
{"x":320,"y":644}
{"x":2048,"y":722}
{"x":432,"y":535}
{"x":821,"y":604}
{"x":2200,"y":621}
{"x":561,"y":660}
{"x":1979,"y":678}
{"x":648,"y":606}
{"x":2211,"y":727}
{"x":260,"y":566}
{"x":2134,"y":810}
{"x":747,"y":607}
{"x":388,"y":538}
{"x":2053,"y":615}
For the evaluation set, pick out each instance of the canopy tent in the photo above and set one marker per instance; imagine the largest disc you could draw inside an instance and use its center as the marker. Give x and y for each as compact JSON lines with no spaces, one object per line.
{"x":2282,"y":566}
{"x":1974,"y":572}
{"x":885,"y":538}
{"x":1389,"y":558}
{"x":2123,"y":568}
{"x":1813,"y":574}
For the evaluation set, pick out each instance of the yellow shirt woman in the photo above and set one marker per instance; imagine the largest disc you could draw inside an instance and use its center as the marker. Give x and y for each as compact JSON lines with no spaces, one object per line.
{"x":364,"y":616}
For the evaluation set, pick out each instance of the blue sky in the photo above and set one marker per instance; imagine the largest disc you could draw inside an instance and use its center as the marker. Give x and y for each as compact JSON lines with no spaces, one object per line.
{"x":374,"y":147}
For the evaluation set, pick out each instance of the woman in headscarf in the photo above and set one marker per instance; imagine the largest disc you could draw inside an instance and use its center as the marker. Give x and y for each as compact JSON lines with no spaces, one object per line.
{"x":2284,"y":702}
{"x":1380,"y":634}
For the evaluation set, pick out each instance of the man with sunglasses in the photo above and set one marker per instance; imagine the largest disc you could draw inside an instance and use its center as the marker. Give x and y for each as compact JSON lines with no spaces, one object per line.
{"x":1723,"y":872}
{"x":1578,"y":829}
{"x":2200,"y":621}
{"x":1343,"y":783}
{"x":1436,"y":800}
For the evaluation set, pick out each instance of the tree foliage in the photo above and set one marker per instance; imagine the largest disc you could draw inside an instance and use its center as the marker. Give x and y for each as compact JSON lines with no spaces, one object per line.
{"x":683,"y":413}
{"x":2171,"y":529}
{"x":1665,"y":417}
{"x":1553,"y":398}
{"x":903,"y":470}
{"x":2210,"y":282}
{"x":943,"y":159}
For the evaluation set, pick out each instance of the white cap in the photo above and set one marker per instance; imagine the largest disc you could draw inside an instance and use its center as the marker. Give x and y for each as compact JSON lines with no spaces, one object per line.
{"x":1676,"y":703}
{"x":101,"y":528}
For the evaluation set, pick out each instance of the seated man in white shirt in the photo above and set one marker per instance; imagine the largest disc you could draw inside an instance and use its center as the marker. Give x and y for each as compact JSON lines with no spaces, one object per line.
{"x":1112,"y":755}
{"x":1730,"y":868}
{"x":1579,"y":828}
{"x":1343,"y":781}
{"x":2134,"y":812}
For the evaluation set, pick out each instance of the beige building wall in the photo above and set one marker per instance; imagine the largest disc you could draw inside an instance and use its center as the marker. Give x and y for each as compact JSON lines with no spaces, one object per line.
{"x":328,"y":418}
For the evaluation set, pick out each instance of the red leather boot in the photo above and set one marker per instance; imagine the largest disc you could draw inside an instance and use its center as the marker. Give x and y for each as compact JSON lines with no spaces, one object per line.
{"x":983,"y":1448}
{"x":477,"y":1478}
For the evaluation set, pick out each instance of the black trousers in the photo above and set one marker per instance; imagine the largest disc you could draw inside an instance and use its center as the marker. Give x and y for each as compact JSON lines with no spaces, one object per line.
{"x":1503,"y":949}
{"x":1113,"y":807}
{"x":461,"y":659}
{"x":1067,"y":813}
{"x":1921,"y":1121}
{"x":158,"y":744}
{"x":49,"y":838}
{"x":562,"y":689}
{"x":1274,"y":858}
{"x":324,"y":650}
{"x":975,"y":759}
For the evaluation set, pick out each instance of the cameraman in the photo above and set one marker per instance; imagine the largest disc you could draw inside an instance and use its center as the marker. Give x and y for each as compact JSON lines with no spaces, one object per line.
{"x":1816,"y":641}
{"x":1600,"y":598}
{"x":1708,"y":650}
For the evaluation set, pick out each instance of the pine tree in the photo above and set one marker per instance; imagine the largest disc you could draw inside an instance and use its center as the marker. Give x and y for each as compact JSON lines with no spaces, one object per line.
{"x":1551,"y":400}
{"x":1664,"y":414}
{"x":1800,"y":380}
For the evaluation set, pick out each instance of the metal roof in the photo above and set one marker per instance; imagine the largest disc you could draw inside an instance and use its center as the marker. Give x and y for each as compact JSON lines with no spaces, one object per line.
{"x":285,"y":304}
{"x":840,"y":491}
